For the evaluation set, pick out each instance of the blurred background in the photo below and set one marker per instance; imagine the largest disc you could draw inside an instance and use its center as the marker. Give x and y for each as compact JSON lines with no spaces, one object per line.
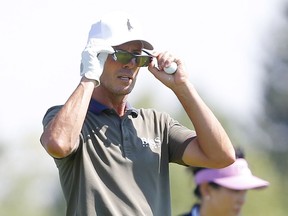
{"x":235,"y":50}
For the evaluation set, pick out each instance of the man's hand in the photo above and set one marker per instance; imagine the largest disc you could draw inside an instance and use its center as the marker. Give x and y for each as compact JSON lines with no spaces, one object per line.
{"x":93,"y":59}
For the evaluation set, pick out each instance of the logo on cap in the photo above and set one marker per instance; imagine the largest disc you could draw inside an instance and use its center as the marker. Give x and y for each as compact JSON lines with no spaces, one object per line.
{"x":129,"y":25}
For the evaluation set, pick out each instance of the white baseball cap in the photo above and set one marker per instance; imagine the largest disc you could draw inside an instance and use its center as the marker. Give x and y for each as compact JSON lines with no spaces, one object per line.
{"x":117,"y":28}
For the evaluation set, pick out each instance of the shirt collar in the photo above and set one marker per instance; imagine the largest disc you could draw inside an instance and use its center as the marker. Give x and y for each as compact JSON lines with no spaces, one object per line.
{"x":195,"y":210}
{"x":96,"y":108}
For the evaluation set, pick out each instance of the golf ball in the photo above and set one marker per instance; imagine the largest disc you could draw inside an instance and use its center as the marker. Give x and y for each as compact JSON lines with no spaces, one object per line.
{"x":171,"y":69}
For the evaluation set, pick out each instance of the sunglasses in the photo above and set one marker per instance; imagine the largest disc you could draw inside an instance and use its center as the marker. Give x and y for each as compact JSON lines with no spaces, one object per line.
{"x":125,"y":57}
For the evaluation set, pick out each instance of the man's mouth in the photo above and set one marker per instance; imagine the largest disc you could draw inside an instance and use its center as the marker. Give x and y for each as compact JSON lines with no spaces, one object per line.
{"x":125,"y":78}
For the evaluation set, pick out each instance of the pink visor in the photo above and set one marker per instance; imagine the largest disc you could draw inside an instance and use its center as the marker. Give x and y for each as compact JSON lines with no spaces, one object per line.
{"x":237,"y":176}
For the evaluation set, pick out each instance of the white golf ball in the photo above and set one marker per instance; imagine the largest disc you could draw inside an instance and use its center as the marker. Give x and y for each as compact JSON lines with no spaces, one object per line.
{"x":171,"y":69}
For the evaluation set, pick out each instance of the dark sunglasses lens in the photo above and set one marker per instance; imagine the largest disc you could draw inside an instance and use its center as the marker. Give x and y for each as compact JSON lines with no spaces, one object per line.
{"x":126,"y":57}
{"x":143,"y":61}
{"x":123,"y":57}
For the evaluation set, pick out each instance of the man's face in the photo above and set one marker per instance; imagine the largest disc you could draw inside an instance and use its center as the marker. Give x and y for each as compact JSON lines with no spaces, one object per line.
{"x":119,"y":78}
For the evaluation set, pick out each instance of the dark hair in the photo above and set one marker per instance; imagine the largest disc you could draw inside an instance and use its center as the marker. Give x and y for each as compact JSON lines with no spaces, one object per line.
{"x":239,"y":153}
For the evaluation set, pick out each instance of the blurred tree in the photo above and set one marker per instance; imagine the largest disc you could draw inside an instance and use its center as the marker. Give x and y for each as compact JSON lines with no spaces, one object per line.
{"x":274,"y":119}
{"x":272,"y":132}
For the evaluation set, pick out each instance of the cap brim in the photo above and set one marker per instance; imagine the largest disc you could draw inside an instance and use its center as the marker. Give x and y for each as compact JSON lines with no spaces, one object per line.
{"x":246,"y":182}
{"x":146,"y":44}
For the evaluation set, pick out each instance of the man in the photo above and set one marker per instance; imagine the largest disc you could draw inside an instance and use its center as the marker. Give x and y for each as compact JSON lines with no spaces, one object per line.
{"x":114,"y":159}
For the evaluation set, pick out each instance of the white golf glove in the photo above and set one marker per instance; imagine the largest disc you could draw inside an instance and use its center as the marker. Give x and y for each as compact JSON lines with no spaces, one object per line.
{"x":93,"y":59}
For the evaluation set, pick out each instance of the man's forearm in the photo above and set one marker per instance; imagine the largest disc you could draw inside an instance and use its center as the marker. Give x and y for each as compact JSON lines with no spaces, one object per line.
{"x":212,"y":139}
{"x":62,"y":133}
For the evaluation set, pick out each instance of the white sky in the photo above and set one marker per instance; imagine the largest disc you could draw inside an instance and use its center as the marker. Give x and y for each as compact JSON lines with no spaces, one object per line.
{"x":220,"y":41}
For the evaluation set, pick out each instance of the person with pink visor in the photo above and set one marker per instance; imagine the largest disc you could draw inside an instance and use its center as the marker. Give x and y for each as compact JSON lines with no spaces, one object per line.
{"x":222,"y":192}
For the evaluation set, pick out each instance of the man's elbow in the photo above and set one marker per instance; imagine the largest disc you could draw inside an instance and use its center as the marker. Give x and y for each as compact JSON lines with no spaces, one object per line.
{"x":228,"y":158}
{"x":56,"y":148}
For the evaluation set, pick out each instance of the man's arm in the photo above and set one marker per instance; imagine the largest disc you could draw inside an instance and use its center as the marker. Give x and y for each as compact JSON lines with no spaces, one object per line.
{"x":212,"y":146}
{"x":61,"y":136}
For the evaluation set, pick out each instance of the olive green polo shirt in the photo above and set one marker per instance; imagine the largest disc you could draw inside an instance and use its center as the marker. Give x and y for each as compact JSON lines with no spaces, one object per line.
{"x":121,"y":166}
